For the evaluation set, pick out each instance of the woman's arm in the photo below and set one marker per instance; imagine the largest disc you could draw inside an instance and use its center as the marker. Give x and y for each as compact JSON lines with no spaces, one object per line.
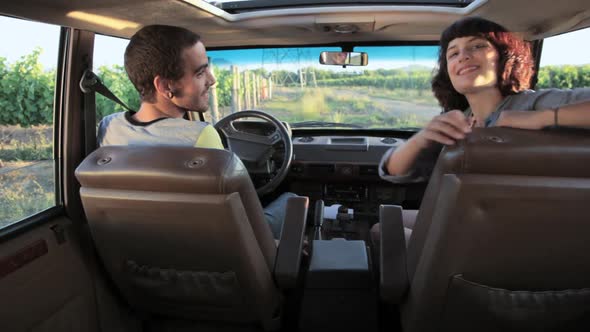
{"x":572,"y":115}
{"x":446,"y":129}
{"x":402,"y":159}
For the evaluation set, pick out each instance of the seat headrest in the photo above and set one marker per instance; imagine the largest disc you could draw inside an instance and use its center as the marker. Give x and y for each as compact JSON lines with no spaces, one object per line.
{"x":162,"y":168}
{"x":564,"y":153}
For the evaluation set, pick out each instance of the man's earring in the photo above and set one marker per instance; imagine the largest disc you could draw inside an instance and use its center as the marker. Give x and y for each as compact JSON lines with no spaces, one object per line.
{"x":170,"y":95}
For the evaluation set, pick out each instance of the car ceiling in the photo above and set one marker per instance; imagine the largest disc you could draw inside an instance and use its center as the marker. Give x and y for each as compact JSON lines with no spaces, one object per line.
{"x":534,"y":19}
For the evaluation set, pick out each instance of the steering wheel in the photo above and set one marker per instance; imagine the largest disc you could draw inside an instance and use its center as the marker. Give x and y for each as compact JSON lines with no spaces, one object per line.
{"x":257,"y":151}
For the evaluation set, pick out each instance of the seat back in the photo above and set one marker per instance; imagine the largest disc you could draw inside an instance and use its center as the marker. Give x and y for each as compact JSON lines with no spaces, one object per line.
{"x":501,"y":239}
{"x":181,"y":232}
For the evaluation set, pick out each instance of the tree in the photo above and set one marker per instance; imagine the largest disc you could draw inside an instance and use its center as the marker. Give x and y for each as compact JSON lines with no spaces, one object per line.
{"x":115,"y":78}
{"x":26,"y":92}
{"x":224,"y":86}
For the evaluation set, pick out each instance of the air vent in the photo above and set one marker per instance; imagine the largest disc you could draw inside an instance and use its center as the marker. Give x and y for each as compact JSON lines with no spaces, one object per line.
{"x":320,"y":169}
{"x":305,"y":139}
{"x":388,"y":140}
{"x":368,"y":170}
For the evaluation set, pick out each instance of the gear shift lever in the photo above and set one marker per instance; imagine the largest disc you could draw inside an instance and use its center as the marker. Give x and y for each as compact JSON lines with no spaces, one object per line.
{"x":318,"y":219}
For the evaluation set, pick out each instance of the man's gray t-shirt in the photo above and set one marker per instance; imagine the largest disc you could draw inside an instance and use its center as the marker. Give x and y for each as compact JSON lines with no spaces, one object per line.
{"x":525,"y":101}
{"x":122,"y":129}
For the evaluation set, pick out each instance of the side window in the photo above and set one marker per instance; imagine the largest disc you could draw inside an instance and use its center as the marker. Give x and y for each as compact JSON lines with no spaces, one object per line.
{"x":109,"y":66}
{"x":565,"y":61}
{"x":28,"y":61}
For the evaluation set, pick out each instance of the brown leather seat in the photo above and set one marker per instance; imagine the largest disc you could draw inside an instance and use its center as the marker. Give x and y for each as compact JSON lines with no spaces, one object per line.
{"x":501,"y":239}
{"x":182,"y":234}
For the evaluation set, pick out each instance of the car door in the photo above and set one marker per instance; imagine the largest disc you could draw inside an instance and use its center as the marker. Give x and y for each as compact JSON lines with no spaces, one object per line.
{"x":47,"y":271}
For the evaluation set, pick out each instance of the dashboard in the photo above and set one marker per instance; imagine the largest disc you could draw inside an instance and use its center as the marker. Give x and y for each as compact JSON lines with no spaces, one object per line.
{"x":341,"y":167}
{"x":344,"y":170}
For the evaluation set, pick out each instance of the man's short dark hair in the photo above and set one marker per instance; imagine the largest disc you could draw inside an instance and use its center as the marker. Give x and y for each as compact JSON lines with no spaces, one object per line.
{"x":156,"y":50}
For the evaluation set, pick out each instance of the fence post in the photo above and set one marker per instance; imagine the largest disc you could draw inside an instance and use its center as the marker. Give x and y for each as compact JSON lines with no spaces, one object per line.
{"x":301,"y":78}
{"x":213,"y":105}
{"x":256,"y":91}
{"x":235,"y":89}
{"x":253,"y":90}
{"x":247,"y":93}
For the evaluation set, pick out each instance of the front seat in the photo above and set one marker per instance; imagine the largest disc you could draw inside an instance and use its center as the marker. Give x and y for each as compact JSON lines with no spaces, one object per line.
{"x":182,"y":234}
{"x":501,"y":239}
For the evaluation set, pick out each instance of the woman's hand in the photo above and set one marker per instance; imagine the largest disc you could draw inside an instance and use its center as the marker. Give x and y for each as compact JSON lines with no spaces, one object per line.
{"x":446,"y":128}
{"x":526,"y":119}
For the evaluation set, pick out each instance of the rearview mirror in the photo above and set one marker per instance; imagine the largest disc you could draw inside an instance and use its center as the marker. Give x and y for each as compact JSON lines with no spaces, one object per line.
{"x":344,"y":58}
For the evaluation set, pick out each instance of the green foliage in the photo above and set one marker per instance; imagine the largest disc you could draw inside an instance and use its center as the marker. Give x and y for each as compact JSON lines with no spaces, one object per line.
{"x":313,"y":104}
{"x":224,"y":86}
{"x":402,"y":80}
{"x":115,"y":78}
{"x":26,"y":91}
{"x":564,"y":77}
{"x":349,"y":105}
{"x":411,"y":95}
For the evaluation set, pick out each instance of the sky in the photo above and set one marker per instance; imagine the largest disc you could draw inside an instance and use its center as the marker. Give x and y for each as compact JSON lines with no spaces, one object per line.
{"x":571,"y":48}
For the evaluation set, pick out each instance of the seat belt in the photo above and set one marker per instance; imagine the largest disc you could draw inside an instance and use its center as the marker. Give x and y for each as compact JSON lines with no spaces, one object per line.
{"x":90,"y":84}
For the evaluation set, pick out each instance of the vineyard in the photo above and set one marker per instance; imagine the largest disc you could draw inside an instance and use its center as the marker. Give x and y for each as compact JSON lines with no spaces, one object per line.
{"x":384,"y":98}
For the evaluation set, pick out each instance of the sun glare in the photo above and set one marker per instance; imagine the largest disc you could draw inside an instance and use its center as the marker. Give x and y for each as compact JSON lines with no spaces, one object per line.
{"x":106,"y":21}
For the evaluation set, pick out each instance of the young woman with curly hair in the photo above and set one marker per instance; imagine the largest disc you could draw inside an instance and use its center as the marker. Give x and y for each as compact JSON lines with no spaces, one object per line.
{"x":483,"y":80}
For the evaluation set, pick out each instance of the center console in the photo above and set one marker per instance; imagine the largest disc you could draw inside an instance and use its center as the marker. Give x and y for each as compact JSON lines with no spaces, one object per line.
{"x":339,"y":293}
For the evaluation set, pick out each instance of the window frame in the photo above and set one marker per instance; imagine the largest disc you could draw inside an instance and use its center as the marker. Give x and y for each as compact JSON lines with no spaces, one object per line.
{"x":20,"y":226}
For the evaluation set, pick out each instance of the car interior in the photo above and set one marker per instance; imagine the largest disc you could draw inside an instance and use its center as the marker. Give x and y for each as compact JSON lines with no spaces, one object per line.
{"x":310,"y":95}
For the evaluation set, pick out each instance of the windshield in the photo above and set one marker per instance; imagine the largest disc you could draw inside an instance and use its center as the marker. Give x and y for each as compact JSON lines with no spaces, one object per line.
{"x":392,"y":91}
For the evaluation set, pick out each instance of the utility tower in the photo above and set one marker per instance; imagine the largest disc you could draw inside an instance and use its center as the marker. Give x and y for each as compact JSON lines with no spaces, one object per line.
{"x":294,"y":61}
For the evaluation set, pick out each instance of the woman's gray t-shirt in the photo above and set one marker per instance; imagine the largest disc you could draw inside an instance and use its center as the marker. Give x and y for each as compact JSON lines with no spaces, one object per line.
{"x":525,"y":101}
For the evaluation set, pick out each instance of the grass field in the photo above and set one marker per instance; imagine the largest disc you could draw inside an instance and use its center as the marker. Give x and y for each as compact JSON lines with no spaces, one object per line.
{"x":26,"y":190}
{"x":367,"y":107}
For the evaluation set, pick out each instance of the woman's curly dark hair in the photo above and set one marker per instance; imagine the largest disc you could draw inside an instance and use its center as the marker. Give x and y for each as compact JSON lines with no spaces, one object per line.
{"x":515,"y":63}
